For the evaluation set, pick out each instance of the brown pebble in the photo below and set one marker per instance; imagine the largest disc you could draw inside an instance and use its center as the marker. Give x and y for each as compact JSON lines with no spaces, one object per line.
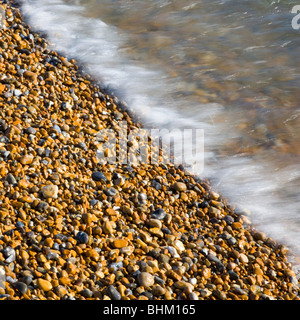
{"x":44,"y":284}
{"x":180,"y":186}
{"x":120,"y":243}
{"x":158,"y":290}
{"x":27,"y":159}
{"x":145,"y":279}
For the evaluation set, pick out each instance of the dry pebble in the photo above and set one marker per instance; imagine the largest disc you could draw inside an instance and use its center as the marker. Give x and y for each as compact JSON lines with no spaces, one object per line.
{"x":44,"y":285}
{"x":145,"y":279}
{"x":50,"y":191}
{"x":74,"y":228}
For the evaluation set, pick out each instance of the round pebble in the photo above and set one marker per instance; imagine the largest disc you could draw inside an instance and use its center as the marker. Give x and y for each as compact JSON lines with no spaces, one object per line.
{"x":158,"y":214}
{"x":21,"y":287}
{"x":44,"y":285}
{"x":82,"y":237}
{"x":145,"y":279}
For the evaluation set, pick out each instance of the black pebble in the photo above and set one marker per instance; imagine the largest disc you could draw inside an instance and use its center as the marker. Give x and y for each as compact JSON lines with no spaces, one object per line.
{"x":82,"y":237}
{"x":203,"y":204}
{"x":98,"y":176}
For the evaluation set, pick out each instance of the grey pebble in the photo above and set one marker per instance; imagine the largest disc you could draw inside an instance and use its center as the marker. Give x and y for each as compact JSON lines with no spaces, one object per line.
{"x":17,"y":92}
{"x":21,"y":287}
{"x":30,"y":130}
{"x":57,"y":128}
{"x":11,"y":179}
{"x":9,"y":254}
{"x":87,"y":293}
{"x":113,"y":293}
{"x":110,"y":191}
{"x":158,"y":214}
{"x":27,"y":280}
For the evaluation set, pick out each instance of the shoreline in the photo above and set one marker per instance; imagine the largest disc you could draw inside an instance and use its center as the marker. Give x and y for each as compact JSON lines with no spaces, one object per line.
{"x":109,"y":232}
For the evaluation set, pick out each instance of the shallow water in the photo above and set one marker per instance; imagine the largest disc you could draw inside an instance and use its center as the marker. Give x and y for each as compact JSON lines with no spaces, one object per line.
{"x":231,"y":68}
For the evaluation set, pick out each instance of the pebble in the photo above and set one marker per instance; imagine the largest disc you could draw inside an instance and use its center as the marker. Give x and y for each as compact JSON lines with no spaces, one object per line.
{"x":145,"y":279}
{"x":43,"y":284}
{"x":50,"y":191}
{"x":108,"y":227}
{"x":155,"y":223}
{"x":117,"y":179}
{"x":158,"y":214}
{"x":179,"y":246}
{"x":184,"y":285}
{"x":27,"y":159}
{"x":27,"y":280}
{"x":87,"y":293}
{"x":111,"y":191}
{"x":61,"y":291}
{"x":99,"y":176}
{"x":30,"y":130}
{"x":113,"y":293}
{"x":158,"y":290}
{"x":233,"y":275}
{"x":21,"y":287}
{"x":180,"y":186}
{"x":82,"y":237}
{"x":173,"y":252}
{"x":120,"y":243}
{"x":17,"y":92}
{"x":11,"y":179}
{"x":193,"y":296}
{"x":9,"y":254}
